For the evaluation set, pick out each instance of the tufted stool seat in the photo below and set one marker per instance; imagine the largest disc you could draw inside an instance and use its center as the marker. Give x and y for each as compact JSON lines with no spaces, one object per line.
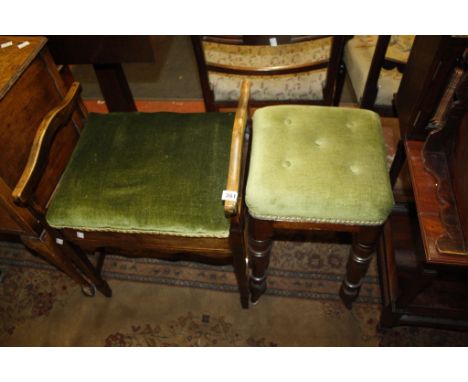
{"x":317,"y":167}
{"x":318,"y":164}
{"x":153,"y":173}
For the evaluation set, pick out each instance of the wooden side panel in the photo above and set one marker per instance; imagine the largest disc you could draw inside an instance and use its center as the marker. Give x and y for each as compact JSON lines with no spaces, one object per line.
{"x":428,"y":207}
{"x":459,"y":176}
{"x":8,"y":225}
{"x":34,"y":94}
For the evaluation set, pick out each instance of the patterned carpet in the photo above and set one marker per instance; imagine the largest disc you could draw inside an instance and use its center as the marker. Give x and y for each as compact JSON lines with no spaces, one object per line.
{"x":158,"y":303}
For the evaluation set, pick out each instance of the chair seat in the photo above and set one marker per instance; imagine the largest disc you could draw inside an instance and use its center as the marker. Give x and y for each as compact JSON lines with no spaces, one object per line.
{"x":318,"y":164}
{"x":358,"y":54}
{"x":160,"y":173}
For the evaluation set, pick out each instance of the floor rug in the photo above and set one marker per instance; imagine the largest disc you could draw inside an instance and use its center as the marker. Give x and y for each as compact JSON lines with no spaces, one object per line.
{"x":160,"y":303}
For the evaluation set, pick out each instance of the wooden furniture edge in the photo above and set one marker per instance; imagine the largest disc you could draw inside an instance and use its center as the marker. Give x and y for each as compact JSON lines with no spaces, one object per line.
{"x":43,"y":139}
{"x":237,"y":143}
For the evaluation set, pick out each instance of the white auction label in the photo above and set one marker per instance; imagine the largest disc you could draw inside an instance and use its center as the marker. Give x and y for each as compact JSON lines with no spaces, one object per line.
{"x":229,"y":195}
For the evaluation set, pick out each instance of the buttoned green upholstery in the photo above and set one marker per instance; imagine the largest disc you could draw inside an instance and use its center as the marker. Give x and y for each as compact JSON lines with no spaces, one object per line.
{"x":160,"y":173}
{"x":318,"y":164}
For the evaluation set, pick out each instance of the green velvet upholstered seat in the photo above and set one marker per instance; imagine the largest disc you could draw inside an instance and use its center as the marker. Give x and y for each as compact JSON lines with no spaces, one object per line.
{"x":318,"y":164}
{"x":158,"y":173}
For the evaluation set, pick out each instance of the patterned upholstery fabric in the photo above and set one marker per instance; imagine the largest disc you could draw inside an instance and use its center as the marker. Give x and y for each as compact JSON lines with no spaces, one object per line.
{"x":358,"y":55}
{"x":318,"y":164}
{"x":301,"y":86}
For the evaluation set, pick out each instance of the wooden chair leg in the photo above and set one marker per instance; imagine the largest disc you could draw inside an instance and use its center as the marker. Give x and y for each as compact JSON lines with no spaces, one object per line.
{"x":240,"y":265}
{"x":92,"y":273}
{"x":397,"y":163}
{"x":260,"y":241}
{"x":340,"y":80}
{"x":46,"y":247}
{"x":388,"y":318}
{"x":364,"y":243}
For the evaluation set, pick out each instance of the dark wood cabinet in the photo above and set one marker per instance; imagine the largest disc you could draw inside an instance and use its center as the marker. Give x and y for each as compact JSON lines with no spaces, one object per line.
{"x":423,"y":257}
{"x":30,"y":86}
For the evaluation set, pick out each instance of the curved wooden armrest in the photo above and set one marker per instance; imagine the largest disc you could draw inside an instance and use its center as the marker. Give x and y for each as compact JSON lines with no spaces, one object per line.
{"x":235,"y":160}
{"x":43,"y":139}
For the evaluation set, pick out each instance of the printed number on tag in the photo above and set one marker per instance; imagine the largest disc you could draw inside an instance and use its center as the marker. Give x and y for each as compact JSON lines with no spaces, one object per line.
{"x":59,"y":241}
{"x":7,"y":44}
{"x":273,"y":41}
{"x":80,"y":235}
{"x":229,"y":195}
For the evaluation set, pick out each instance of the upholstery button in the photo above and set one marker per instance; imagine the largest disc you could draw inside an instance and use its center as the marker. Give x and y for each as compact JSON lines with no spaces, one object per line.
{"x":287,"y":121}
{"x":355,"y":169}
{"x":350,"y":125}
{"x":286,"y":164}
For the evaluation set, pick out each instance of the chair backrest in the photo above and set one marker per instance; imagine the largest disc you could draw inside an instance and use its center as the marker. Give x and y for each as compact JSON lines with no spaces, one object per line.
{"x":375,"y":65}
{"x":282,"y":69}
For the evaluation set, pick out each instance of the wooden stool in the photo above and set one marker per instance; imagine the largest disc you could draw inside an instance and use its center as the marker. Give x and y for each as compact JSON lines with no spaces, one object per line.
{"x":315,"y":167}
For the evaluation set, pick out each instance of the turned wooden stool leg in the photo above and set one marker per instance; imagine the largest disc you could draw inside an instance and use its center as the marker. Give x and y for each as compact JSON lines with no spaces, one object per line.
{"x":364,"y":243}
{"x":260,"y":234}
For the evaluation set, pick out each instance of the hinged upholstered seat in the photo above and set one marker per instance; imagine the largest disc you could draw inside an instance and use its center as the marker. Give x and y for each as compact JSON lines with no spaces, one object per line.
{"x":147,"y":173}
{"x":318,"y":164}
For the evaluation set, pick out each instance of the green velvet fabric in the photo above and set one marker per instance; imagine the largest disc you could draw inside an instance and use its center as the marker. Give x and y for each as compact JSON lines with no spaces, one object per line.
{"x":319,"y":164}
{"x":147,"y":172}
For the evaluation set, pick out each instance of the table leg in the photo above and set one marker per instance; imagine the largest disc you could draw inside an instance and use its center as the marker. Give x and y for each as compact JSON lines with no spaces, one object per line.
{"x":114,"y":87}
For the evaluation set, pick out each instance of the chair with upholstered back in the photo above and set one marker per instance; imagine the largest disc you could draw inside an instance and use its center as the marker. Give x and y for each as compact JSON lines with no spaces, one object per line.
{"x":316,"y":168}
{"x":375,"y":65}
{"x":148,"y":184}
{"x":282,"y":69}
